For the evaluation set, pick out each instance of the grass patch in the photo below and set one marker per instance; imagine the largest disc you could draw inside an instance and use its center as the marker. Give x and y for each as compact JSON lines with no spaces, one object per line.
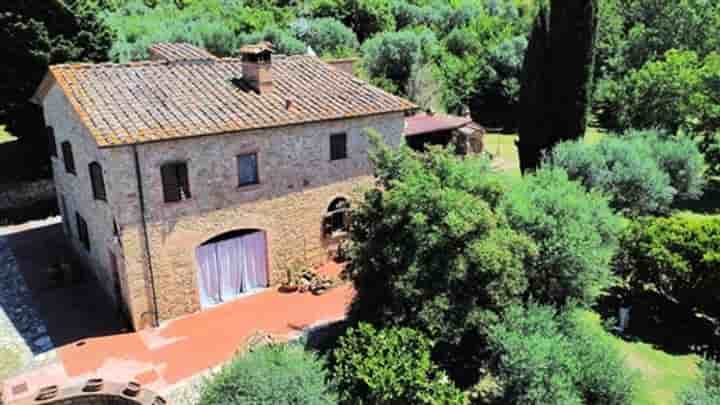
{"x":5,"y":136}
{"x":502,"y":147}
{"x":10,"y":362}
{"x":662,"y":375}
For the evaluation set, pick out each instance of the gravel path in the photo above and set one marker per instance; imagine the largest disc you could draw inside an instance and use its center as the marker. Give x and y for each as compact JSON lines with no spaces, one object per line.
{"x":24,"y":340}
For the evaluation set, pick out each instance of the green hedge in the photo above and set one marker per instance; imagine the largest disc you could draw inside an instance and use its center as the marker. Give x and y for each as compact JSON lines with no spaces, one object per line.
{"x":272,"y":375}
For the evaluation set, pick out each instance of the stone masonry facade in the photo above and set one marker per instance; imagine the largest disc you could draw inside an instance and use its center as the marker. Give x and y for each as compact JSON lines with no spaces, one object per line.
{"x":297,"y":183}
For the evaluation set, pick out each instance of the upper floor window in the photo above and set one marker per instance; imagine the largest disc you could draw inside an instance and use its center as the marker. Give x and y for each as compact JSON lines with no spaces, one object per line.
{"x":338,"y":146}
{"x":68,"y":157}
{"x":175,"y":182}
{"x":247,"y":169}
{"x":52,"y":146}
{"x":97,"y":181}
{"x":337,"y":219}
{"x":82,"y":229}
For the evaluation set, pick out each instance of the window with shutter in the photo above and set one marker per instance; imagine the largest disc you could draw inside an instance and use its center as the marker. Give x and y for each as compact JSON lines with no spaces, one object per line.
{"x":52,"y":146}
{"x":338,"y":146}
{"x":247,"y":170}
{"x":176,"y":185}
{"x":97,"y":181}
{"x":68,"y":157}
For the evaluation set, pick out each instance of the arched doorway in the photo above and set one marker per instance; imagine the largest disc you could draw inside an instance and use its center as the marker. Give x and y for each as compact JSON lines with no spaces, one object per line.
{"x":230,"y":265}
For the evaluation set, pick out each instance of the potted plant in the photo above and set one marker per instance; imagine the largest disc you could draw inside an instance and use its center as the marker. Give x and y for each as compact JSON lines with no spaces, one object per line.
{"x":292,"y":280}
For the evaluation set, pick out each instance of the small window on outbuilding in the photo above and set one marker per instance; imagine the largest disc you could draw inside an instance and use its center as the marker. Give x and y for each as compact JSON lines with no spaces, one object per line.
{"x":97,"y":181}
{"x":338,"y":146}
{"x":337,"y":219}
{"x":82,"y":229}
{"x":68,"y":157}
{"x":248,"y":170}
{"x":175,"y":182}
{"x":52,"y":145}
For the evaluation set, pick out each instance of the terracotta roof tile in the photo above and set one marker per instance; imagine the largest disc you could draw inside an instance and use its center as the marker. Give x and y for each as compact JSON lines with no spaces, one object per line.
{"x":150,"y":101}
{"x":425,"y":123}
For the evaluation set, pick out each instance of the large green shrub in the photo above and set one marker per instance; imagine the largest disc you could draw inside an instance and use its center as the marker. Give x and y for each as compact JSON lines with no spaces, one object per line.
{"x":326,"y":36}
{"x":284,"y":42}
{"x":541,"y":357}
{"x":429,"y":253}
{"x":390,"y":366}
{"x":707,"y":391}
{"x":641,"y":173}
{"x":576,"y":233}
{"x":395,"y":55}
{"x":677,"y":257}
{"x":275,"y":374}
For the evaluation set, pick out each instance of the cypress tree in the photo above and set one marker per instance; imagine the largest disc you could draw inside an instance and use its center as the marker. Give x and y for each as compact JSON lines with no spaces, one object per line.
{"x":557,"y":78}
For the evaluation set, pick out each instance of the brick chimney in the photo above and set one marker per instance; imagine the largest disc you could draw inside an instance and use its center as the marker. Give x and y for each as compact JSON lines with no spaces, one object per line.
{"x":346,"y":65}
{"x":256,"y":64}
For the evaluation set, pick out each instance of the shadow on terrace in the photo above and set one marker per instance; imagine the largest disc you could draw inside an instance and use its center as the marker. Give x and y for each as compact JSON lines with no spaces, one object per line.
{"x":47,"y":312}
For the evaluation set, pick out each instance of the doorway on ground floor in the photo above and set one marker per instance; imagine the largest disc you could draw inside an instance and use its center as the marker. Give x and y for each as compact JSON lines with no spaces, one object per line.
{"x":231,"y":265}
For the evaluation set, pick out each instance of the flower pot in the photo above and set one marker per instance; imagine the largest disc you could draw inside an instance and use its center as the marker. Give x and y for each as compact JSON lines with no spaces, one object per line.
{"x":288,"y":288}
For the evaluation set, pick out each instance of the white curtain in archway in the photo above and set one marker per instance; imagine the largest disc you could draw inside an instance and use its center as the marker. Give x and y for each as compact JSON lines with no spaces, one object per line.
{"x":231,"y":267}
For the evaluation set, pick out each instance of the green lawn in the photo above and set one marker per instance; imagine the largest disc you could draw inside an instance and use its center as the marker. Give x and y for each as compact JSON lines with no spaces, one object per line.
{"x":502,"y":146}
{"x":5,"y":136}
{"x":661,"y":375}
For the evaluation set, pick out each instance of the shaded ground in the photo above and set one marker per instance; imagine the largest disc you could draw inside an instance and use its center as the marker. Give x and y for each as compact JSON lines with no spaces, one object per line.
{"x":72,"y":310}
{"x":36,"y":314}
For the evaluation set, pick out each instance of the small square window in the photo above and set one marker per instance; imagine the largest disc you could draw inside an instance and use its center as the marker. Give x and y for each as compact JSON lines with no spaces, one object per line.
{"x":247,"y":170}
{"x":338,"y":146}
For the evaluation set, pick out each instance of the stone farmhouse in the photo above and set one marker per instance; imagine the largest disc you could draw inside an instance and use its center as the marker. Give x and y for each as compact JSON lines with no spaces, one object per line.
{"x":189,"y":180}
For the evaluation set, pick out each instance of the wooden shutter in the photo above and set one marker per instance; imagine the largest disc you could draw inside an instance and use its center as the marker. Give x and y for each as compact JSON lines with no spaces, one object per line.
{"x":68,"y":157}
{"x":171,"y":187}
{"x":52,"y":146}
{"x":97,"y":181}
{"x":183,"y":180}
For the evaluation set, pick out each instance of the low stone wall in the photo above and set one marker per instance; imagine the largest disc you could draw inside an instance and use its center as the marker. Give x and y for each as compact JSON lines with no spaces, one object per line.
{"x":94,"y":392}
{"x":25,"y":201}
{"x":19,"y":195}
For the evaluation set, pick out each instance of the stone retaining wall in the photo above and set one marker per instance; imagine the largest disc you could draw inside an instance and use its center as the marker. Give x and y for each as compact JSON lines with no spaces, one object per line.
{"x":93,"y":392}
{"x":19,"y":195}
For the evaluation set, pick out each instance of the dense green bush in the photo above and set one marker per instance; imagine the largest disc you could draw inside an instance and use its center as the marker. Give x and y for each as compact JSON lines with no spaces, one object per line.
{"x":36,"y":34}
{"x":390,"y":366}
{"x":326,"y":36}
{"x":276,"y":374}
{"x":707,"y":391}
{"x":364,"y":17}
{"x":541,"y":357}
{"x":395,"y":55}
{"x":214,"y":24}
{"x":576,"y":233}
{"x":641,"y":174}
{"x":677,"y":257}
{"x":283,"y":41}
{"x":429,"y":253}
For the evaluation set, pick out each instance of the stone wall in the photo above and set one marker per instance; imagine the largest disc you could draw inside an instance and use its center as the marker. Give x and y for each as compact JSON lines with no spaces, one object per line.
{"x":74,"y":191}
{"x":93,"y":392}
{"x":297,"y":183}
{"x":19,"y":195}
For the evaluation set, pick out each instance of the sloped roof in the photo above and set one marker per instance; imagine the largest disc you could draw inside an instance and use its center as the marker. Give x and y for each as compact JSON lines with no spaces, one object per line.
{"x":160,"y":100}
{"x":423,"y":123}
